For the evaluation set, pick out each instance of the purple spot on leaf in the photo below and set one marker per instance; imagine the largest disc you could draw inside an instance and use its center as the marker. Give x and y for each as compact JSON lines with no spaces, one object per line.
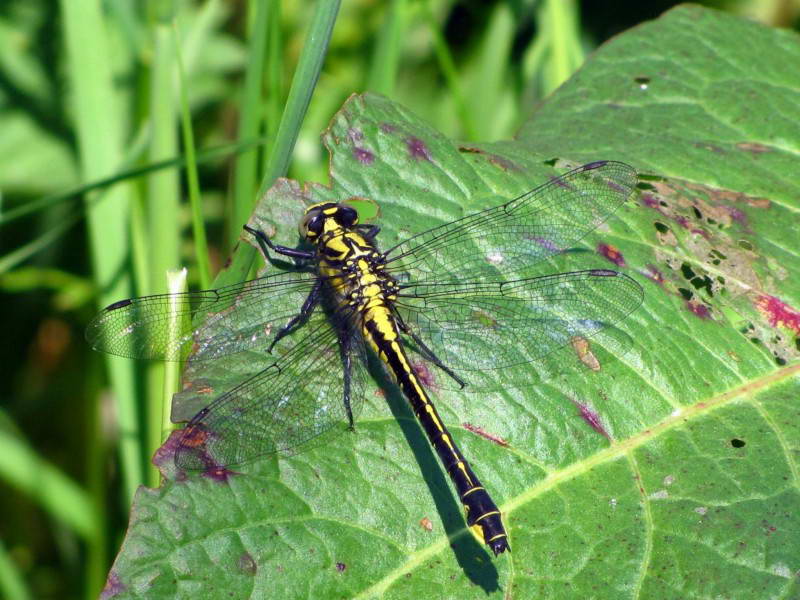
{"x":651,"y":202}
{"x":698,"y":309}
{"x":737,"y":215}
{"x":113,"y":586}
{"x":652,"y":273}
{"x":591,"y":418}
{"x":417,"y":148}
{"x":779,"y":313}
{"x":364,"y":156}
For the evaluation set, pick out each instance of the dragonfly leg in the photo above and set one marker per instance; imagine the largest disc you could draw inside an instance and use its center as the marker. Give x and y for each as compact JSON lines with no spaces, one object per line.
{"x":427,"y":352}
{"x":369,"y":231}
{"x":347,"y":366}
{"x":308,"y":306}
{"x":267,"y":244}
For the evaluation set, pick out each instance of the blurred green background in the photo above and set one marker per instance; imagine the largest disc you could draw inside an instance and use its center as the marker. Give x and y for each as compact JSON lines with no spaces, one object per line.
{"x":92,"y":93}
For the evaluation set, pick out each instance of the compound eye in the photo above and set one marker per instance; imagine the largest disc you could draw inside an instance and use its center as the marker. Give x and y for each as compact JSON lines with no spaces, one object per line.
{"x":348,"y":216}
{"x":311,"y":225}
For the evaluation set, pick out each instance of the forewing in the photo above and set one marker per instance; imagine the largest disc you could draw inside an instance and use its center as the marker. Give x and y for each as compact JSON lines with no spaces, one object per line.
{"x":209,"y":323}
{"x":295,"y":399}
{"x":507,"y":240}
{"x":483,"y":326}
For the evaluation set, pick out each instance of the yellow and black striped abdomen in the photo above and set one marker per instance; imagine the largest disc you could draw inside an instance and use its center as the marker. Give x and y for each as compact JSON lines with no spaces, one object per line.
{"x":482,"y":513}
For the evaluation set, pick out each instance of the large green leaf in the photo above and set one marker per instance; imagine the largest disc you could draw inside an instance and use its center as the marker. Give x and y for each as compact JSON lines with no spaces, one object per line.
{"x":669,"y":473}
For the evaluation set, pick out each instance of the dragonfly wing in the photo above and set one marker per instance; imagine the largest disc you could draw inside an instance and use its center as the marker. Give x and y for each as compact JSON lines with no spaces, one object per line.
{"x":209,"y":323}
{"x":293,"y":400}
{"x":479,"y":326}
{"x":507,"y":240}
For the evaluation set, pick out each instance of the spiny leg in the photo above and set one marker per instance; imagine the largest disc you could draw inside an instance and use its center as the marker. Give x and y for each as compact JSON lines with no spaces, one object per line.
{"x":368,"y":231}
{"x":427,"y":352}
{"x":347,"y":366}
{"x":310,"y":303}
{"x":266,"y":244}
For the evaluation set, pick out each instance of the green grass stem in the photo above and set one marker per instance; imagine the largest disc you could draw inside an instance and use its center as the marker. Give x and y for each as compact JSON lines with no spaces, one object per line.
{"x":305,"y":79}
{"x":388,"y":44}
{"x":193,"y":182}
{"x":250,"y":119}
{"x":12,"y":583}
{"x":99,"y":126}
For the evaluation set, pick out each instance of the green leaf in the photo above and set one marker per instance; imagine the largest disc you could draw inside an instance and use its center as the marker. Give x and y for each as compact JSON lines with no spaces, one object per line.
{"x":671,"y":472}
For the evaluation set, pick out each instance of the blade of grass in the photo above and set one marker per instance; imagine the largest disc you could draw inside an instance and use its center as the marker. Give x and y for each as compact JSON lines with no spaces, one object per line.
{"x":162,"y":207}
{"x":24,"y":252}
{"x":251,"y":112}
{"x":489,"y":84}
{"x":448,"y":68}
{"x":176,"y":283}
{"x":12,"y":583}
{"x":163,"y":189}
{"x":386,"y":57}
{"x":126,"y":173}
{"x":559,"y":18}
{"x":198,"y":224}
{"x":100,"y":134}
{"x":57,"y":494}
{"x":303,"y":83}
{"x":274,"y":98}
{"x":100,"y":131}
{"x":305,"y":78}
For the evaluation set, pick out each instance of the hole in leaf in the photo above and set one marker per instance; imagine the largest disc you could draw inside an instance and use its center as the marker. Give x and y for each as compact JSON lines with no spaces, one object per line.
{"x":660,"y":227}
{"x":737,"y":443}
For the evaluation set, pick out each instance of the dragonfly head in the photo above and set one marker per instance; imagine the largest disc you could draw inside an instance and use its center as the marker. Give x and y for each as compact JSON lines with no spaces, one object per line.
{"x":326,"y":216}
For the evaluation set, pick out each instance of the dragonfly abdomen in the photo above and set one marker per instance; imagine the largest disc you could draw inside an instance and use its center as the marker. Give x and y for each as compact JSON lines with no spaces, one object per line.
{"x":483,"y":516}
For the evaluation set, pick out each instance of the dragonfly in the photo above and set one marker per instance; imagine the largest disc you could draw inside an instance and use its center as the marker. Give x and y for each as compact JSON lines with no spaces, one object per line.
{"x":463,"y":296}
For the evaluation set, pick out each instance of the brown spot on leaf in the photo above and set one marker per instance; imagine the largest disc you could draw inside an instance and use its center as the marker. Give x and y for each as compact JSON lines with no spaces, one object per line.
{"x":478,"y":430}
{"x":586,"y":356}
{"x":753,"y":147}
{"x":246,"y":564}
{"x":654,"y":274}
{"x":611,"y":253}
{"x":424,"y":374}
